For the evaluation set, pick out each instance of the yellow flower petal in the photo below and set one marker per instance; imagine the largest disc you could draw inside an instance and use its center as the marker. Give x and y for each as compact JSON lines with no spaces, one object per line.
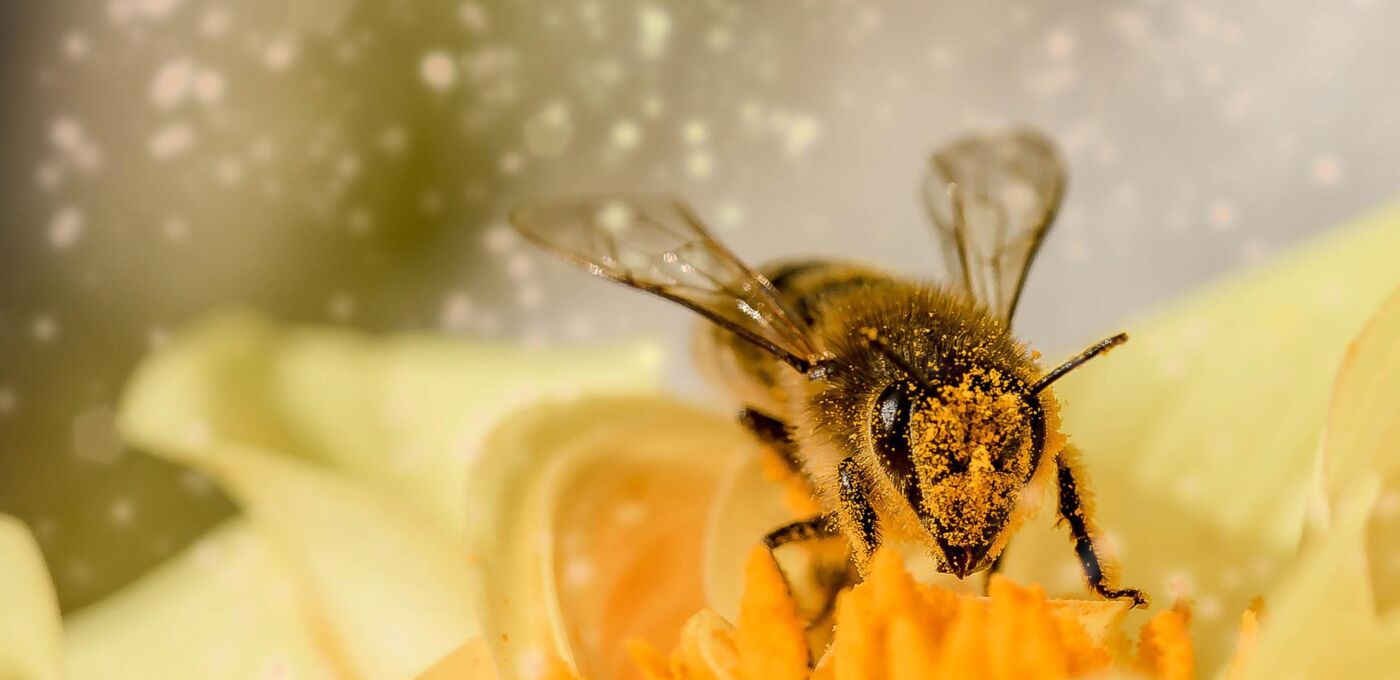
{"x":772,"y":644}
{"x":1164,"y":646}
{"x":588,"y":528}
{"x":1363,"y":439}
{"x":404,"y":414}
{"x":223,"y":609}
{"x":351,"y":457}
{"x":1322,"y":616}
{"x":30,"y":633}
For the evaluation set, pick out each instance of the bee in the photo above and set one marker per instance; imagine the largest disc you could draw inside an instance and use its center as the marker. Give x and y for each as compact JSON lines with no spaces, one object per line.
{"x":908,"y":407}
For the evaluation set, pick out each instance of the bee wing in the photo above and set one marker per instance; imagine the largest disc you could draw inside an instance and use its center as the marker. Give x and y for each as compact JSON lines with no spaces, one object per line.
{"x":992,"y":199}
{"x":657,"y":244}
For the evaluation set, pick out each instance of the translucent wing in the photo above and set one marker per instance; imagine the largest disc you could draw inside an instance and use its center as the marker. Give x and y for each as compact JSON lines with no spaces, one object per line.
{"x":992,"y":199}
{"x":657,"y":244}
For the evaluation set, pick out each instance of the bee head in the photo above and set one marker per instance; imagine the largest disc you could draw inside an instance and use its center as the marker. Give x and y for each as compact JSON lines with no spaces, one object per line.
{"x":961,"y":449}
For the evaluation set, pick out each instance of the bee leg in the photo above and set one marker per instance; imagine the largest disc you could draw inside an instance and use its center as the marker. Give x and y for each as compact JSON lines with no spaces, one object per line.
{"x":857,"y":513}
{"x":1073,"y":512}
{"x":774,"y":434}
{"x":816,"y":526}
{"x":816,"y":586}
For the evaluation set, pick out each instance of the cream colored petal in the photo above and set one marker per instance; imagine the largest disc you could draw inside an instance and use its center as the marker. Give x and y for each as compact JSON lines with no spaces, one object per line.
{"x":587,"y":528}
{"x":405,"y":414}
{"x":350,"y":455}
{"x":1322,"y":616}
{"x":1363,"y":438}
{"x":30,"y":632}
{"x":224,"y":609}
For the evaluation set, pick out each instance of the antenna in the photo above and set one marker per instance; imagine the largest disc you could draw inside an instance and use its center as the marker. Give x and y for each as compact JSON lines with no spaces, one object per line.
{"x":1102,"y":347}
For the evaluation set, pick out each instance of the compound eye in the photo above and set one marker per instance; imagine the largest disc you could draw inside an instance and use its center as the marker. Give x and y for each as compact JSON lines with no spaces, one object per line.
{"x":889,"y":432}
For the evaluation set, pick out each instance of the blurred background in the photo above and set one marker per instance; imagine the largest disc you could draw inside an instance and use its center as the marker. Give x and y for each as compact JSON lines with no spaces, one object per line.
{"x":344,"y":162}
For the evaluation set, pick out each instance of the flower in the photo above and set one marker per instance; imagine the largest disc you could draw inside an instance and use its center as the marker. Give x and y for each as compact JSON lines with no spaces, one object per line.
{"x":891,"y":626}
{"x":398,"y":503}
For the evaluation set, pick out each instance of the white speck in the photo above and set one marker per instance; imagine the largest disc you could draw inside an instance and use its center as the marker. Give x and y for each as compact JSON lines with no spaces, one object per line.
{"x":653,"y":106}
{"x":175,"y":229}
{"x":95,"y":436}
{"x":215,"y":22}
{"x":66,"y":228}
{"x":530,"y":296}
{"x":653,"y":31}
{"x":730,"y":215}
{"x":531,"y":663}
{"x":279,"y":54}
{"x":172,"y":83}
{"x":512,"y":162}
{"x":1221,"y":215}
{"x":615,"y":217}
{"x":157,"y":9}
{"x":630,"y":514}
{"x":437,"y":70}
{"x":547,"y":133}
{"x":66,"y":133}
{"x":1059,"y":44}
{"x":1209,"y":608}
{"x":157,"y":337}
{"x":68,"y":136}
{"x":473,"y":16}
{"x":700,"y":164}
{"x":1327,"y":170}
{"x":578,"y":573}
{"x":122,"y":512}
{"x":172,"y":140}
{"x":1181,"y":585}
{"x":360,"y":221}
{"x":499,"y":239}
{"x":519,"y":266}
{"x":799,"y":133}
{"x":209,"y":86}
{"x":719,"y":39}
{"x":341,"y":307}
{"x":49,"y":175}
{"x":694,"y":132}
{"x":456,"y":312}
{"x":44,"y":329}
{"x":625,"y":135}
{"x":75,"y":45}
{"x":393,"y":140}
{"x":263,"y":150}
{"x":348,"y":165}
{"x":229,"y":172}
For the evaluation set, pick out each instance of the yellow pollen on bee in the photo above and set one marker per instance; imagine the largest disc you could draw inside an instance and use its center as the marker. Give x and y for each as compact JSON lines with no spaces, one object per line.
{"x":973,"y":427}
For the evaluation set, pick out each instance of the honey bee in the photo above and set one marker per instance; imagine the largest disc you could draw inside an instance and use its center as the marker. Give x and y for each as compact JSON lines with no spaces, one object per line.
{"x":908,"y":407}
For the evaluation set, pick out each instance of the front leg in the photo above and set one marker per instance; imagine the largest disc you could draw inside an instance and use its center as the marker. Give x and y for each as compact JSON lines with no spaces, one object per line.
{"x":774,"y":434}
{"x":857,"y":516}
{"x":1072,"y":510}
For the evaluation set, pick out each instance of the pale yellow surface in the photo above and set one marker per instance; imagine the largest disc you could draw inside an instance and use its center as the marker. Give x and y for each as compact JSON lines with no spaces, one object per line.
{"x":30,"y":634}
